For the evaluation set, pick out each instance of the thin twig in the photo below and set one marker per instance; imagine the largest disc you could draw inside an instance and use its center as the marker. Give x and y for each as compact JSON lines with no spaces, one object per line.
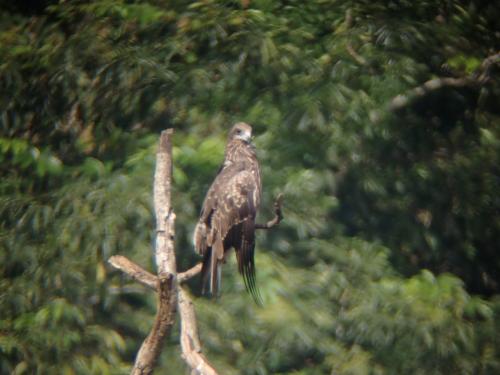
{"x":278,"y":215}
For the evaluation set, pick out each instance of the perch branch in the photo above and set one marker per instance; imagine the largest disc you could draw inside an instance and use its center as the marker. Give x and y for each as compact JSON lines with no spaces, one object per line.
{"x":478,"y":78}
{"x":166,"y":283}
{"x":278,"y":215}
{"x":170,"y":293}
{"x":190,"y":342}
{"x":165,"y":260}
{"x":144,"y":277}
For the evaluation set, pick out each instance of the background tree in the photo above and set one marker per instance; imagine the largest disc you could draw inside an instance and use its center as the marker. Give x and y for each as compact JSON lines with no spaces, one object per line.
{"x":386,"y":262}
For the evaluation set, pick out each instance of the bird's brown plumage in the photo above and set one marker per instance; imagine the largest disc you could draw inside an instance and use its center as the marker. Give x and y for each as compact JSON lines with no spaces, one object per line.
{"x":227,"y":218}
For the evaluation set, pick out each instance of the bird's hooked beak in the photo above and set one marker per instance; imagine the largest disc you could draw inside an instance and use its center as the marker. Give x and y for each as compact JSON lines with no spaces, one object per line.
{"x":245,"y":137}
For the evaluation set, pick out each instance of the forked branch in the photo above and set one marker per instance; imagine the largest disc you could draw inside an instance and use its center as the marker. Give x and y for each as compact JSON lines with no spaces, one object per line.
{"x":147,"y":356}
{"x":144,"y":277}
{"x":167,"y":283}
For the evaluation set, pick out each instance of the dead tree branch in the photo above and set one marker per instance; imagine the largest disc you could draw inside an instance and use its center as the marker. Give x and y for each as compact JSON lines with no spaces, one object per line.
{"x":134,"y":271}
{"x":190,"y":341}
{"x":144,"y":277}
{"x":170,"y":293}
{"x":165,"y":217}
{"x":151,"y":347}
{"x":186,"y":275}
{"x":278,"y":215}
{"x":477,"y":79}
{"x":165,"y":260}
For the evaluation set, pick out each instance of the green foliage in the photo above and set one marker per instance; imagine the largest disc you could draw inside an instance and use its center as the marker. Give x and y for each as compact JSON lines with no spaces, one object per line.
{"x":386,"y":262}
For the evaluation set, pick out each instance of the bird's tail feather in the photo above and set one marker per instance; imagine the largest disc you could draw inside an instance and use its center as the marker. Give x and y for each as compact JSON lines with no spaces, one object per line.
{"x":249,"y":279}
{"x":214,"y":274}
{"x":205,"y":271}
{"x":211,"y":274}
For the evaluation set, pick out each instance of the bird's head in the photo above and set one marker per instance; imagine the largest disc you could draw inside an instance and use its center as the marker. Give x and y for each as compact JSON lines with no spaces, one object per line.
{"x":241,"y":131}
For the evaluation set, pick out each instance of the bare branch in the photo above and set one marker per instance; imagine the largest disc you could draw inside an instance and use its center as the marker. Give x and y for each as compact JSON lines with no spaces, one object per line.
{"x":165,"y":260}
{"x":151,"y":347}
{"x":190,"y":342}
{"x":186,"y":275}
{"x":478,"y":78}
{"x":144,"y":277}
{"x":167,"y":283}
{"x":133,"y":270}
{"x":278,"y":215}
{"x":402,"y":100}
{"x":165,"y":217}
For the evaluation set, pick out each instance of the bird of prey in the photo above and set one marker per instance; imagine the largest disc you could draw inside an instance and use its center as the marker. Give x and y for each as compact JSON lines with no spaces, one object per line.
{"x":227,"y":218}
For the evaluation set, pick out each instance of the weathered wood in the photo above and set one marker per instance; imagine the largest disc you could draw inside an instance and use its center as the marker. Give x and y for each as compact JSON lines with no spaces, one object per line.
{"x":144,"y":277}
{"x":165,"y":316}
{"x":190,"y":342}
{"x":170,"y":294}
{"x":147,"y":355}
{"x":133,"y":270}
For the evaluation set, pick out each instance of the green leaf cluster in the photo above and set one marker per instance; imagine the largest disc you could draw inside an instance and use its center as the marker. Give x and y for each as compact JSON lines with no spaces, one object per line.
{"x":387,"y":260}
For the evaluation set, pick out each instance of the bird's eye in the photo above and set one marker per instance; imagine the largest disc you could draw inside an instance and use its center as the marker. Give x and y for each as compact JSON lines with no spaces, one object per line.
{"x":238,"y":131}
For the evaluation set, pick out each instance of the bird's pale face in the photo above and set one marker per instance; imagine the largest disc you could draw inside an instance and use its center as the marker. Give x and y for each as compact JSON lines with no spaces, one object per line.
{"x":241,"y":131}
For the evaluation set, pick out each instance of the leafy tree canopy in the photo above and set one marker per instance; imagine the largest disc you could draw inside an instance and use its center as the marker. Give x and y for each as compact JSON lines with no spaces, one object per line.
{"x":378,"y":120}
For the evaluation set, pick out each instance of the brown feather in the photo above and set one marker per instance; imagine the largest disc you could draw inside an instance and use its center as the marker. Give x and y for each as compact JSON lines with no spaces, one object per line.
{"x":227,"y":218}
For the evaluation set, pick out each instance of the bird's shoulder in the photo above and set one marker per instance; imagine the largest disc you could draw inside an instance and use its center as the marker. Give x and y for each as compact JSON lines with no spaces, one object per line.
{"x":233,"y":180}
{"x":234,"y":175}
